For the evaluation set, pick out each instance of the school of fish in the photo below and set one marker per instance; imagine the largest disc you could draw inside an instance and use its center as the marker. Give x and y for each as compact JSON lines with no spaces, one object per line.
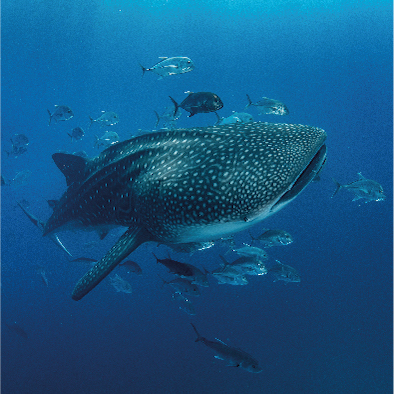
{"x":188,"y":189}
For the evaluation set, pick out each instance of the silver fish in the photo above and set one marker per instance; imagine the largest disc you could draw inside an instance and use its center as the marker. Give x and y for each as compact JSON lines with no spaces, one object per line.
{"x":284,"y":272}
{"x":186,"y":185}
{"x":76,"y":134}
{"x":19,"y":145}
{"x":230,"y":279}
{"x":170,"y":66}
{"x":107,"y":139}
{"x":247,"y":265}
{"x":168,"y":118}
{"x":106,"y":119}
{"x":236,"y":117}
{"x":362,"y":188}
{"x":235,"y":357}
{"x":227,"y":270}
{"x":268,"y":106}
{"x":252,"y":251}
{"x":271,"y":238}
{"x":121,"y":285}
{"x":61,"y":113}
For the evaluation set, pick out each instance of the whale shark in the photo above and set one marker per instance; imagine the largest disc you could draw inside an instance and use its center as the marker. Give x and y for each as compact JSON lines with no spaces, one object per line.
{"x":184,"y":185}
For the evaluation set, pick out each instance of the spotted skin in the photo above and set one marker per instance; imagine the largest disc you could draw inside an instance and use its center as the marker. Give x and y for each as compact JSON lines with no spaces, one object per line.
{"x":128,"y":242}
{"x":185,"y":185}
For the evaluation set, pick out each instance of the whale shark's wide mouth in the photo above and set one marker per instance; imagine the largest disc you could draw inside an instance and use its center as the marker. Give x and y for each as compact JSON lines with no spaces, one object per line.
{"x":309,"y":173}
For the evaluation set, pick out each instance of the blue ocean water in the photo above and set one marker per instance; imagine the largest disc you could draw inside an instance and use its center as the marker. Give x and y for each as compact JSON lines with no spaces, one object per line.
{"x":331,"y":63}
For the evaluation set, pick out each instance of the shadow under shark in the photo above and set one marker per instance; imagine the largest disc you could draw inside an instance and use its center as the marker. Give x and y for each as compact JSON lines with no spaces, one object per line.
{"x":185,"y":185}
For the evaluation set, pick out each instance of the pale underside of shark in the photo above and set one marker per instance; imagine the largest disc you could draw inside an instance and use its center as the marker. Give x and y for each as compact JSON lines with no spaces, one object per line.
{"x":185,"y":185}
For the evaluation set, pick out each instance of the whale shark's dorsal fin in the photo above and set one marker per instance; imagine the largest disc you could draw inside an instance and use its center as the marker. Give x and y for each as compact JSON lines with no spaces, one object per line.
{"x":72,"y":166}
{"x":126,"y":244}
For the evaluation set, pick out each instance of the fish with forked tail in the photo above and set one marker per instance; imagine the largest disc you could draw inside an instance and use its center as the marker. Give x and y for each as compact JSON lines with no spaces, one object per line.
{"x":108,"y":118}
{"x":19,"y":145}
{"x":235,"y":357}
{"x":236,"y":117}
{"x":267,"y":106}
{"x":284,"y":272}
{"x":76,"y":134}
{"x":168,"y":118}
{"x":170,"y":66}
{"x":185,"y":185}
{"x":61,"y":113}
{"x":107,"y":139}
{"x":176,"y":267}
{"x":273,"y":238}
{"x":198,"y":103}
{"x":185,"y":270}
{"x":362,"y":188}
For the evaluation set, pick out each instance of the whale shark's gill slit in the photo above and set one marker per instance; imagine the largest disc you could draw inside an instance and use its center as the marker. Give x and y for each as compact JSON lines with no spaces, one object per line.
{"x":126,"y":244}
{"x":304,"y":179}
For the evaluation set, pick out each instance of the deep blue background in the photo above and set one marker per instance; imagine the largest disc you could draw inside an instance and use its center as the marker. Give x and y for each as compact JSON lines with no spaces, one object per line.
{"x":331,"y":63}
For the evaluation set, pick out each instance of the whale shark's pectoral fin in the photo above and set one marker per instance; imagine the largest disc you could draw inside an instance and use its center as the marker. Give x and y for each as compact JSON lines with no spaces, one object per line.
{"x":127,"y":243}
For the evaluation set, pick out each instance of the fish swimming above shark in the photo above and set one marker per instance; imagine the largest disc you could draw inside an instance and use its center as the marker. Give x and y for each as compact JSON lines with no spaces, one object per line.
{"x":184,"y":185}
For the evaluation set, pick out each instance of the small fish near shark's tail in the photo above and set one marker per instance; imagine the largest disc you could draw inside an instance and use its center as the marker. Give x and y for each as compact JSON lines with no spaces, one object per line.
{"x":339,"y":187}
